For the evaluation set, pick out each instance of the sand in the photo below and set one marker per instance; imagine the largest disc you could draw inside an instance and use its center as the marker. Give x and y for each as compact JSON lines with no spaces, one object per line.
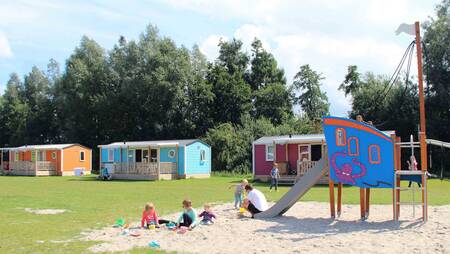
{"x":305,"y":228}
{"x":45,"y":211}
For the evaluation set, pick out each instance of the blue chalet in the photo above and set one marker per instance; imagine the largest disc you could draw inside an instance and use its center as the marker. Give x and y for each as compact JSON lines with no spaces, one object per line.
{"x":152,"y":160}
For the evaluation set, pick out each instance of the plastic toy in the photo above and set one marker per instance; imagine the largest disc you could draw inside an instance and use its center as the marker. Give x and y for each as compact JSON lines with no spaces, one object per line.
{"x":154,"y":244}
{"x":120,"y":222}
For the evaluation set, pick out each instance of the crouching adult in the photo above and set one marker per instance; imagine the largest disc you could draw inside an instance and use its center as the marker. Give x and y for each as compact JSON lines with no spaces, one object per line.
{"x":255,"y":202}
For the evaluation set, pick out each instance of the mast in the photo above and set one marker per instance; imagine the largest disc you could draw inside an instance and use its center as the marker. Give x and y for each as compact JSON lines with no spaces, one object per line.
{"x":422,"y":132}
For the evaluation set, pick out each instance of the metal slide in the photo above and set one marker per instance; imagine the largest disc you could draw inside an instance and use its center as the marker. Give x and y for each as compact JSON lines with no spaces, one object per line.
{"x":297,"y":191}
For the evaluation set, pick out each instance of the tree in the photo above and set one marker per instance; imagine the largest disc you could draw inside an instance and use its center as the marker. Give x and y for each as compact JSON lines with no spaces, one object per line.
{"x":232,"y":93}
{"x":271,"y":98}
{"x":199,"y":95}
{"x":13,"y":113}
{"x":80,"y":92}
{"x":37,"y":96}
{"x":436,"y":49}
{"x":312,"y":100}
{"x":352,"y":81}
{"x":436,"y":42}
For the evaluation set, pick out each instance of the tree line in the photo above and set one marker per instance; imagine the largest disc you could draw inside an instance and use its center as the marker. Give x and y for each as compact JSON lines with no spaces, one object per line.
{"x":150,"y":88}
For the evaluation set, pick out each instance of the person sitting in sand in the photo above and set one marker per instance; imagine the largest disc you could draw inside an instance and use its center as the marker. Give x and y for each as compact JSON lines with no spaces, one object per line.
{"x":255,"y":202}
{"x":149,"y":216}
{"x":207,"y":215}
{"x":239,"y":193}
{"x":188,"y":217}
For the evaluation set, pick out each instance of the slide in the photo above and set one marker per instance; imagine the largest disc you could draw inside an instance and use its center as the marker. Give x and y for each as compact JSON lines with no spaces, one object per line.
{"x":297,"y":191}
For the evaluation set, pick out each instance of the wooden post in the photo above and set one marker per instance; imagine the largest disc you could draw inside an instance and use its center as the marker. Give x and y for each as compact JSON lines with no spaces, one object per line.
{"x":100,"y":161}
{"x":362,"y":203}
{"x":331,"y":189}
{"x":367,"y":202}
{"x":394,"y":200}
{"x":274,"y":152}
{"x":422,"y":134}
{"x":176,"y":161}
{"x":397,"y":180}
{"x":158,"y":155}
{"x":286,"y":152}
{"x":339,"y":201}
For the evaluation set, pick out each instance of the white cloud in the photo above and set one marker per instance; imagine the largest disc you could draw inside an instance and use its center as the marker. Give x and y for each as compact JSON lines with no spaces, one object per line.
{"x":209,"y":46}
{"x":5,"y":49}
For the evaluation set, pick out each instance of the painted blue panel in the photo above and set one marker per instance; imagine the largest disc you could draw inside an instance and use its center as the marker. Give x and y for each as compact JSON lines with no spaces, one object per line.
{"x":181,"y":160}
{"x":116,"y":154}
{"x":104,"y":155}
{"x":357,"y":169}
{"x":124,"y":155}
{"x":193,"y":163}
{"x":164,"y":154}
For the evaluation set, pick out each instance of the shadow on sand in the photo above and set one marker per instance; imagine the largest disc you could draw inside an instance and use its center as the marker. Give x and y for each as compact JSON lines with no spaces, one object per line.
{"x":318,"y":227}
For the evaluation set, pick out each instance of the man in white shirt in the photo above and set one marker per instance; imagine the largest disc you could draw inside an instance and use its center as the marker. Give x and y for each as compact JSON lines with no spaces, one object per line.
{"x":256,"y":201}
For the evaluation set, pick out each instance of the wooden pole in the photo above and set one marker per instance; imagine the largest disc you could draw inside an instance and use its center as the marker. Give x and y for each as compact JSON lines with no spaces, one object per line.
{"x":362,"y":203}
{"x":331,"y":189}
{"x":274,"y":152}
{"x":422,"y":135}
{"x":397,"y":183}
{"x":394,"y":200}
{"x":367,"y":202}
{"x":339,"y":201}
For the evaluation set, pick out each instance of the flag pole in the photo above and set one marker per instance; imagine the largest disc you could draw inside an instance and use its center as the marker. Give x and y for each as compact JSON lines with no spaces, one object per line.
{"x":422,"y":133}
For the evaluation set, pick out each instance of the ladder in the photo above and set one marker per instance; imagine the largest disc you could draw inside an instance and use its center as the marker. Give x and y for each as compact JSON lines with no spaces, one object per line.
{"x":397,"y":180}
{"x":423,"y":202}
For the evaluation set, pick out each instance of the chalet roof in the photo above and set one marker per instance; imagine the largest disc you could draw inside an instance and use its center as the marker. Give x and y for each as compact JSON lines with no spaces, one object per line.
{"x":306,"y":138}
{"x":155,"y":143}
{"x":41,"y":147}
{"x":290,"y":139}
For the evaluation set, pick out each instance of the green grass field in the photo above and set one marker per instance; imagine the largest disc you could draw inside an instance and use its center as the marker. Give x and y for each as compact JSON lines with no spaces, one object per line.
{"x":93,"y":204}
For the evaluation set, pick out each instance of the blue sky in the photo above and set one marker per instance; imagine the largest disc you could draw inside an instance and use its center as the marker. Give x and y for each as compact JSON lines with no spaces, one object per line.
{"x":325,"y":34}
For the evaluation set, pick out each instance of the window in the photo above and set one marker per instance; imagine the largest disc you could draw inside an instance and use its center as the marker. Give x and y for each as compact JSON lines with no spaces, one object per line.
{"x":340,"y":137}
{"x":53,"y":155}
{"x":269,"y":152}
{"x":374,"y":154}
{"x":154,"y":155}
{"x":145,"y":155}
{"x":171,"y":153}
{"x":33,"y":155}
{"x":110,"y":154}
{"x":304,"y":153}
{"x":353,"y":146}
{"x":16,"y":156}
{"x":131,"y":155}
{"x":82,"y":156}
{"x":41,"y":156}
{"x":202,"y":155}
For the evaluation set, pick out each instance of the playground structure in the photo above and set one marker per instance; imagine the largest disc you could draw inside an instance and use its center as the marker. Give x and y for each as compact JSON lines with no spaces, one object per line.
{"x":361,"y":155}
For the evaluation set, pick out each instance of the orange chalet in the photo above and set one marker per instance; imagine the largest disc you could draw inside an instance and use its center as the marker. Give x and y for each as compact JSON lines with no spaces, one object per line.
{"x":46,"y":160}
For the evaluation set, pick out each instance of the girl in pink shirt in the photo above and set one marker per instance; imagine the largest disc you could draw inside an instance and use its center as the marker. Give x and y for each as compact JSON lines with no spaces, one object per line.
{"x":149,"y":216}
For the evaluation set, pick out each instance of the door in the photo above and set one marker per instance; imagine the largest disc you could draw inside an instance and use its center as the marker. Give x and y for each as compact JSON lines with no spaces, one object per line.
{"x":304,"y":152}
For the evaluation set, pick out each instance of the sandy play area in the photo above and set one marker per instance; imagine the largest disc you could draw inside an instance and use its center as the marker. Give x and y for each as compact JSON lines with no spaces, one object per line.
{"x":305,"y":228}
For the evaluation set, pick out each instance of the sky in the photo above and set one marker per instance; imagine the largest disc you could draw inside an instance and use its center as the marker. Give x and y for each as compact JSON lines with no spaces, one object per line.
{"x":329,"y":35}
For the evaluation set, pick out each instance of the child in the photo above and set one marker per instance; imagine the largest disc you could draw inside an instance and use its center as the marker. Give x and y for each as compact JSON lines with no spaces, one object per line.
{"x":149,"y":216}
{"x":207,"y":215}
{"x":274,"y":175}
{"x":412,"y":165}
{"x":188,"y":217}
{"x":238,"y":193}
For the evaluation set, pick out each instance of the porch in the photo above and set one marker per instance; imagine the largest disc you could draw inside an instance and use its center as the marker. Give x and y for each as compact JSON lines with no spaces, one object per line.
{"x":32,"y":168}
{"x":142,"y":170}
{"x":295,"y":157}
